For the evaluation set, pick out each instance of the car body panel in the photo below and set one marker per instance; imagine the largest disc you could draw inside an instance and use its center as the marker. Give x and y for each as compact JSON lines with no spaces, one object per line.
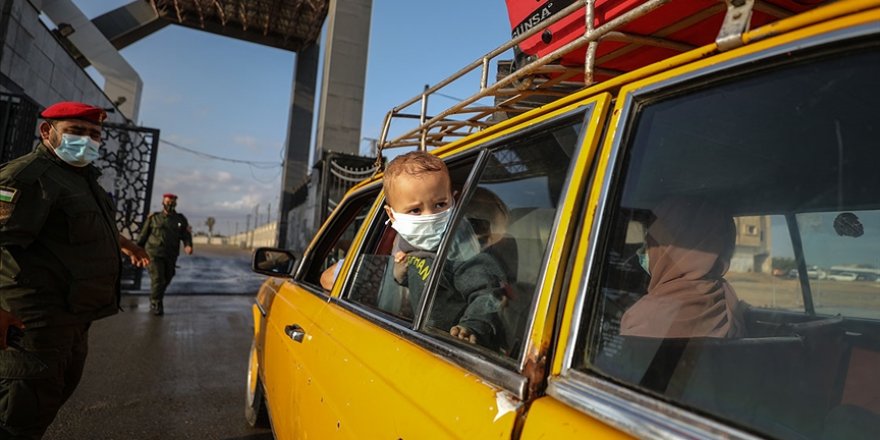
{"x":545,"y":414}
{"x":415,"y":393}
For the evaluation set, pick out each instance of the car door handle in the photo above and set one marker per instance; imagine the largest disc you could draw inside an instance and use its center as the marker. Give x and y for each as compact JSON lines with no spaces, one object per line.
{"x":295,"y":332}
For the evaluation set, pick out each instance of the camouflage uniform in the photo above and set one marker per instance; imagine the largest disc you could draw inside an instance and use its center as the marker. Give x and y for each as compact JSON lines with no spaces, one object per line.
{"x":59,"y":271}
{"x":161,"y":237}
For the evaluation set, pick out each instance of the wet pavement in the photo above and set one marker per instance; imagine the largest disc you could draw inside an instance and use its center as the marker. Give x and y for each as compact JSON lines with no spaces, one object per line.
{"x":179,"y":376}
{"x":219,"y":270}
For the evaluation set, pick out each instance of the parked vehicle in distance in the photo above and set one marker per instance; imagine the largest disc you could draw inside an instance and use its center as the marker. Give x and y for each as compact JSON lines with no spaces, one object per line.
{"x":816,"y":273}
{"x":843,"y":276}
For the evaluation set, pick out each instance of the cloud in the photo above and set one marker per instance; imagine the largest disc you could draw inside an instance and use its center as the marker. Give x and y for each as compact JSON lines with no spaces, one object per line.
{"x":249,"y":142}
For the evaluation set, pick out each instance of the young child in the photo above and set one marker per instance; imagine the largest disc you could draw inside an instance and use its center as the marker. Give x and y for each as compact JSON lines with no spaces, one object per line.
{"x":418,"y":196}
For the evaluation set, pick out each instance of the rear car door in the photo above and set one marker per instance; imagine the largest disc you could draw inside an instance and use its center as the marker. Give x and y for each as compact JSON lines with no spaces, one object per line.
{"x":379,"y":367}
{"x":779,"y":137}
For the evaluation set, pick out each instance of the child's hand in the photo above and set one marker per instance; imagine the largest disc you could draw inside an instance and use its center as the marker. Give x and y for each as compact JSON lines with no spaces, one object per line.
{"x":463,"y":333}
{"x":399,"y":256}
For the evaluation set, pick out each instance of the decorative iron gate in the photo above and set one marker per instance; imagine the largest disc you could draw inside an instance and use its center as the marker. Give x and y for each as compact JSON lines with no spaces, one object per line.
{"x":128,"y":165}
{"x":332,"y":177}
{"x":18,"y":126}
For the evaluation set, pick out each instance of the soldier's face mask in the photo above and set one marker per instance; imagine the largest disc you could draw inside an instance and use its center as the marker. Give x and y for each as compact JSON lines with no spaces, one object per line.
{"x":78,"y":151}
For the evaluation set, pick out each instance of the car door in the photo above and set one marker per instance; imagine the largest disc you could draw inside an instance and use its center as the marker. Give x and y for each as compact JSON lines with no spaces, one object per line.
{"x":378,"y":368}
{"x":295,"y":309}
{"x":770,"y":139}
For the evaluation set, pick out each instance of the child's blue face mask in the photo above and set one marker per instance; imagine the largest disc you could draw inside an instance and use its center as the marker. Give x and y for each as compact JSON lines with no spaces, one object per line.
{"x":422,"y":231}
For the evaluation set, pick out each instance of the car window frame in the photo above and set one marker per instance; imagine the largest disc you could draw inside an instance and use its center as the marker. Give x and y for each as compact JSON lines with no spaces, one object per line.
{"x":340,"y":215}
{"x":633,"y":411}
{"x":508,"y":376}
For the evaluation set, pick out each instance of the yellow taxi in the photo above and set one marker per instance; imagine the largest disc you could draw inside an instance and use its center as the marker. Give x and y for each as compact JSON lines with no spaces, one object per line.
{"x":647,"y":224}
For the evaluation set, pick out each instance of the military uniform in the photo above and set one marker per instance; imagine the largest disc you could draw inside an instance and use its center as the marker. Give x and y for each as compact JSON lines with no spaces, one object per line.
{"x":161,"y":237}
{"x":59,"y":271}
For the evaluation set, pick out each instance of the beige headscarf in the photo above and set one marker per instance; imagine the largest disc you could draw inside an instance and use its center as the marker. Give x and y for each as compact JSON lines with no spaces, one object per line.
{"x":690,"y":245}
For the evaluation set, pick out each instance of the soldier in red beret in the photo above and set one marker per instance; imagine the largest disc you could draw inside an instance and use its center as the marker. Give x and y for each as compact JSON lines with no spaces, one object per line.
{"x":161,"y":237}
{"x":59,"y":265}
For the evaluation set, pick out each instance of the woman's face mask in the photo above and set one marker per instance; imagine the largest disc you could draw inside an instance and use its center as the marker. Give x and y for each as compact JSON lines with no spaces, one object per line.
{"x":422,"y":231}
{"x":643,"y":259}
{"x":78,"y":151}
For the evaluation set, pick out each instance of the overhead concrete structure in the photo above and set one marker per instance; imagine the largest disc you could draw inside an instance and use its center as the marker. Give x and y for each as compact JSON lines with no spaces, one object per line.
{"x":344,"y":72}
{"x":286,"y":24}
{"x":122,"y":84}
{"x":340,"y":105}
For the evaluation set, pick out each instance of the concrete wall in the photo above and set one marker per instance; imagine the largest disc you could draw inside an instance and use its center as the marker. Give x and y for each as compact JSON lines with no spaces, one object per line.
{"x":33,"y":62}
{"x":262,"y":236}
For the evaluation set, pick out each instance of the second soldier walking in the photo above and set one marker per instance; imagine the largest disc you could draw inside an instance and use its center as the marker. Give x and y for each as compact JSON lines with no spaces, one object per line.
{"x":161,"y":237}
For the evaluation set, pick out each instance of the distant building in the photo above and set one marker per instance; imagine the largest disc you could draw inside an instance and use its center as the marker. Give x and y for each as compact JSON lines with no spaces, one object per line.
{"x":753,"y":241}
{"x":263,"y":236}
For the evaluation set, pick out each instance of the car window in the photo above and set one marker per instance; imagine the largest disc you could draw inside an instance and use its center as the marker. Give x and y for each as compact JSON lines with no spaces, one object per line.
{"x":383,"y":285}
{"x":488,"y":280}
{"x":842,"y":260}
{"x":321,"y":266}
{"x":738,"y":250}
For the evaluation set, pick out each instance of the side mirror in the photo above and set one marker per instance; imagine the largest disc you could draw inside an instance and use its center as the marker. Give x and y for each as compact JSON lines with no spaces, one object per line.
{"x":273,"y":262}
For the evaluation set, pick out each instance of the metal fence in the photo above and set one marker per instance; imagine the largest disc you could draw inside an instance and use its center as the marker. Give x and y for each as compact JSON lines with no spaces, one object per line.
{"x":18,"y":126}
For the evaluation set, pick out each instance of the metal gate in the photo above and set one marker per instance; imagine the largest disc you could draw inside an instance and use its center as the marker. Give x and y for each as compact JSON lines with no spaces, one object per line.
{"x":333,"y":176}
{"x":18,"y":126}
{"x":128,"y":165}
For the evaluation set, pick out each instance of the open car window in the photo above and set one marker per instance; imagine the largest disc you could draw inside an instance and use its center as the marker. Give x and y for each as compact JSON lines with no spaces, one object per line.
{"x":322,"y":264}
{"x":736,"y":270}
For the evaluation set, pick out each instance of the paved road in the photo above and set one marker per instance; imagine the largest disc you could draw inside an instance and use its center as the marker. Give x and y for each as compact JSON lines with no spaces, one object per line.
{"x":211,"y":270}
{"x":179,"y":376}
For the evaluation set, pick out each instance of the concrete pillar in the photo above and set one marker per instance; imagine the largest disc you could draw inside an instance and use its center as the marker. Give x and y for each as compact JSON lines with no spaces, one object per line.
{"x":344,"y":74}
{"x":299,"y":134}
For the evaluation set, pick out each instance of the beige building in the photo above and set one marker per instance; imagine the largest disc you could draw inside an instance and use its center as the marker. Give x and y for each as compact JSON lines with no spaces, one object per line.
{"x":752,"y":245}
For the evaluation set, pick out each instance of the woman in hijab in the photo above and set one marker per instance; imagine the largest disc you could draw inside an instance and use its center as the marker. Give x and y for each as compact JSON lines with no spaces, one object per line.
{"x":689,"y":247}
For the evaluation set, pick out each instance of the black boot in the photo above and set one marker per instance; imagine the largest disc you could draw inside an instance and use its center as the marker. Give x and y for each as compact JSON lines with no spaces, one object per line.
{"x":157,"y":308}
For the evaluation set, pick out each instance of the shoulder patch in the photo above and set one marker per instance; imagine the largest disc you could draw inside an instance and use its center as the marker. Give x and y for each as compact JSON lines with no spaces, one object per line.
{"x":8,"y":197}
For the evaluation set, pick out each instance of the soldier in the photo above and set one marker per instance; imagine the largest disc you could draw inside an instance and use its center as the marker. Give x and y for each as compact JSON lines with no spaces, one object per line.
{"x":161,"y":236}
{"x":59,"y":266}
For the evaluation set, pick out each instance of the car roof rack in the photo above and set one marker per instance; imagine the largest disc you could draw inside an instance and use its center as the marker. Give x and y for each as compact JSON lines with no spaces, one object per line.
{"x":544,"y":79}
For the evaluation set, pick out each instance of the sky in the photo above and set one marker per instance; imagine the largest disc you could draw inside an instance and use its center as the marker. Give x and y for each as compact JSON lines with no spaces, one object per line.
{"x":231,"y":98}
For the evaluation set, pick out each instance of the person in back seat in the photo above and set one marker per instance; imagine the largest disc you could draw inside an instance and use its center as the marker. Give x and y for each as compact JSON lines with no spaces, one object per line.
{"x":689,"y":247}
{"x":489,"y":218}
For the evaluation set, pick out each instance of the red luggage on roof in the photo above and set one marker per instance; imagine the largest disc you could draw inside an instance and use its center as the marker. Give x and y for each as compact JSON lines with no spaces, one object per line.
{"x":692,"y":23}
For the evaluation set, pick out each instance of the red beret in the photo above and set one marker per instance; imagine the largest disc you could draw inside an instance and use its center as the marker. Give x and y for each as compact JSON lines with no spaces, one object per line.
{"x":169,"y":195}
{"x":74,"y":110}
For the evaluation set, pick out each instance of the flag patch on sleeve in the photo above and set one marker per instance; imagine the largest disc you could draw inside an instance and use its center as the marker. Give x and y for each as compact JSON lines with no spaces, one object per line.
{"x":7,"y":203}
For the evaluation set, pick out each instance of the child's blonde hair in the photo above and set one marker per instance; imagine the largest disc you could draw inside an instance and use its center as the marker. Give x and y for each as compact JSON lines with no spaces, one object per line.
{"x":414,"y":163}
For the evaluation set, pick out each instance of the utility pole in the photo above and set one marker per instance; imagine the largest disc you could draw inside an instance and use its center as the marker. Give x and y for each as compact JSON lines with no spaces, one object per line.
{"x":247,"y":230}
{"x":256,"y":222}
{"x":269,"y":214}
{"x":373,"y":143}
